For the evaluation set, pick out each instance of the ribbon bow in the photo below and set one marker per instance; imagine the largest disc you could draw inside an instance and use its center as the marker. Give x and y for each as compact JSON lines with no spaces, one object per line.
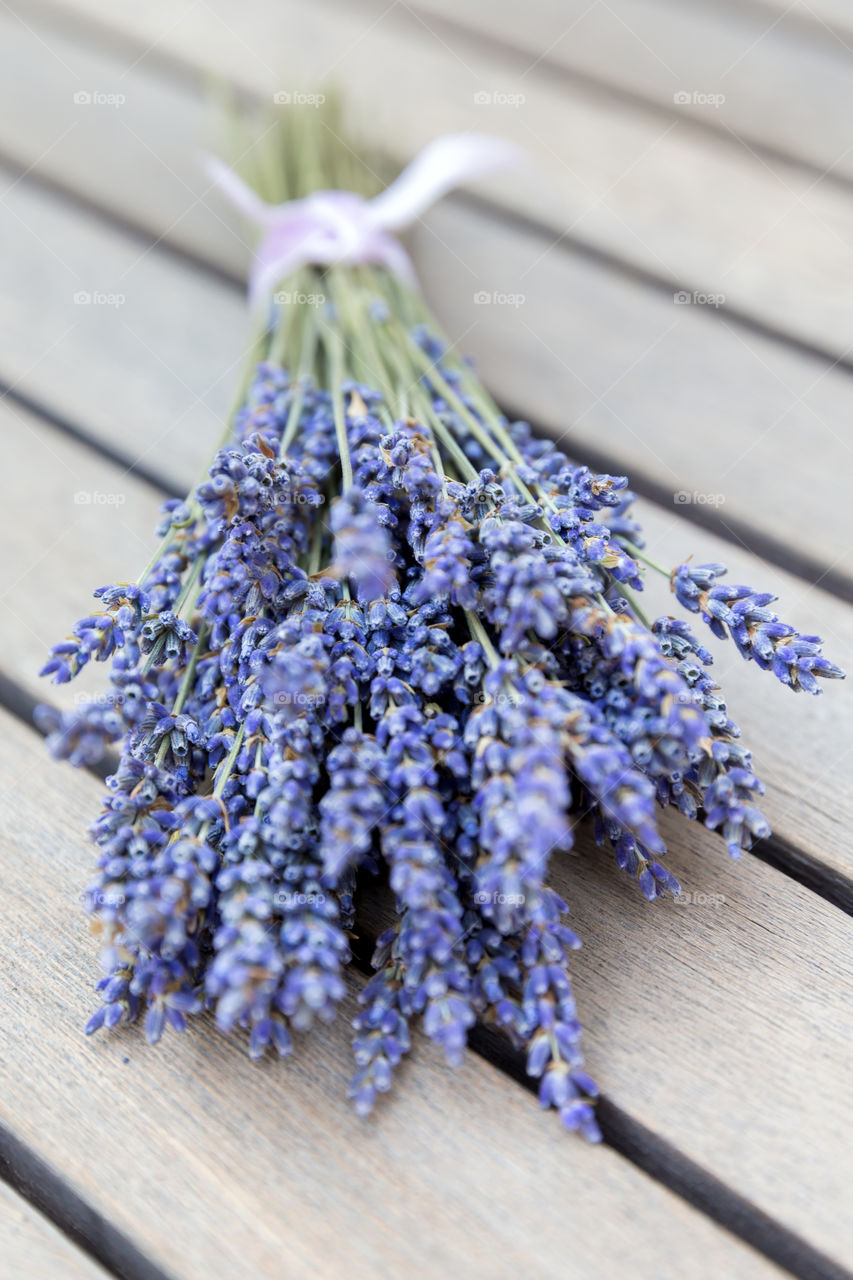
{"x":330,"y":227}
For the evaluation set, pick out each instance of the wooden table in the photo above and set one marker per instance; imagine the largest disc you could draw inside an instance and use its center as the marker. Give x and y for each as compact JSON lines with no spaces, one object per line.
{"x":683,"y":242}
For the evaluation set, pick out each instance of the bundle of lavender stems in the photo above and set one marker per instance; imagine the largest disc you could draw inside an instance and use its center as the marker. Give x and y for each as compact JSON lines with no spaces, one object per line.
{"x":391,"y":634}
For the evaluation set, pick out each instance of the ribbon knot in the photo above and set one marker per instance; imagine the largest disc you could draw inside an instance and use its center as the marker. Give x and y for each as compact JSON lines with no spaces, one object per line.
{"x":329,"y":228}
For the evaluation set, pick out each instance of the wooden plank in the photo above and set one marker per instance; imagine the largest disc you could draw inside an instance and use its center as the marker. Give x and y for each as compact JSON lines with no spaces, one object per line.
{"x":647,"y":391}
{"x":133,"y":376}
{"x":683,"y":399}
{"x":32,"y":1246}
{"x":606,"y":379}
{"x":831,"y":16}
{"x":734,"y":65}
{"x":246,"y":1169}
{"x":697,"y":211}
{"x":725,"y":1023}
{"x":77,"y":291}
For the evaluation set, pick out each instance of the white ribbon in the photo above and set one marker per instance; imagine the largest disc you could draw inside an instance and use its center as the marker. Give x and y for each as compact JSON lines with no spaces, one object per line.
{"x":341,"y":227}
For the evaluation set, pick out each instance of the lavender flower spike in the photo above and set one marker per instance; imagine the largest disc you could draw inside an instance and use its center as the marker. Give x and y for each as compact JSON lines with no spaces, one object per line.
{"x":391,"y":642}
{"x":743,"y":613}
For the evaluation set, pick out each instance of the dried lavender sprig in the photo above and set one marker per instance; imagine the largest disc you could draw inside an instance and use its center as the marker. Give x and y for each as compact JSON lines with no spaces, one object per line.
{"x":458,"y":648}
{"x":744,"y":614}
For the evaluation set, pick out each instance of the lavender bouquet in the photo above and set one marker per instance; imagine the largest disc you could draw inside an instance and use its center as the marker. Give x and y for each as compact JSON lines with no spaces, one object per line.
{"x":390,"y":633}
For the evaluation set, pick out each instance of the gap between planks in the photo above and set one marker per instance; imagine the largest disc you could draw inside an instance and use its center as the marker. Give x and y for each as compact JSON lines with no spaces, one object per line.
{"x":33,"y":1247}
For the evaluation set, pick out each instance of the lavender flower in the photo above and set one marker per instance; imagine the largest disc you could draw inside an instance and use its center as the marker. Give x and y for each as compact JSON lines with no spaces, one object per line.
{"x":392,"y":634}
{"x":744,"y":614}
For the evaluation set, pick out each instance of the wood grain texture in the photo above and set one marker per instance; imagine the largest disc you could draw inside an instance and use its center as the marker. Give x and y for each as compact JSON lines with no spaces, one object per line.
{"x":650,"y":389}
{"x":33,"y":1248}
{"x":831,"y":18}
{"x":720,"y":1020}
{"x":724,"y":1021}
{"x":737,"y":67}
{"x":254,"y":1170}
{"x":674,"y":393}
{"x":699,"y":211}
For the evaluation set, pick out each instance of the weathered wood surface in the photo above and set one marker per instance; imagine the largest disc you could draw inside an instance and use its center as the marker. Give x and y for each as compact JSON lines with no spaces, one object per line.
{"x":564,"y":366}
{"x":721,"y":1025}
{"x":32,"y":1247}
{"x":695,"y":210}
{"x":832,"y":17}
{"x":216,"y":1166}
{"x":760,"y":404}
{"x":717,"y":65}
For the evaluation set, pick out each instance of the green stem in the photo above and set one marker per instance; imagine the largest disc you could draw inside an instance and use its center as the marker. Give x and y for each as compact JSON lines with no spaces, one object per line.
{"x":223,"y":773}
{"x":335,"y":350}
{"x":479,"y":633}
{"x":639,"y":554}
{"x":305,"y":367}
